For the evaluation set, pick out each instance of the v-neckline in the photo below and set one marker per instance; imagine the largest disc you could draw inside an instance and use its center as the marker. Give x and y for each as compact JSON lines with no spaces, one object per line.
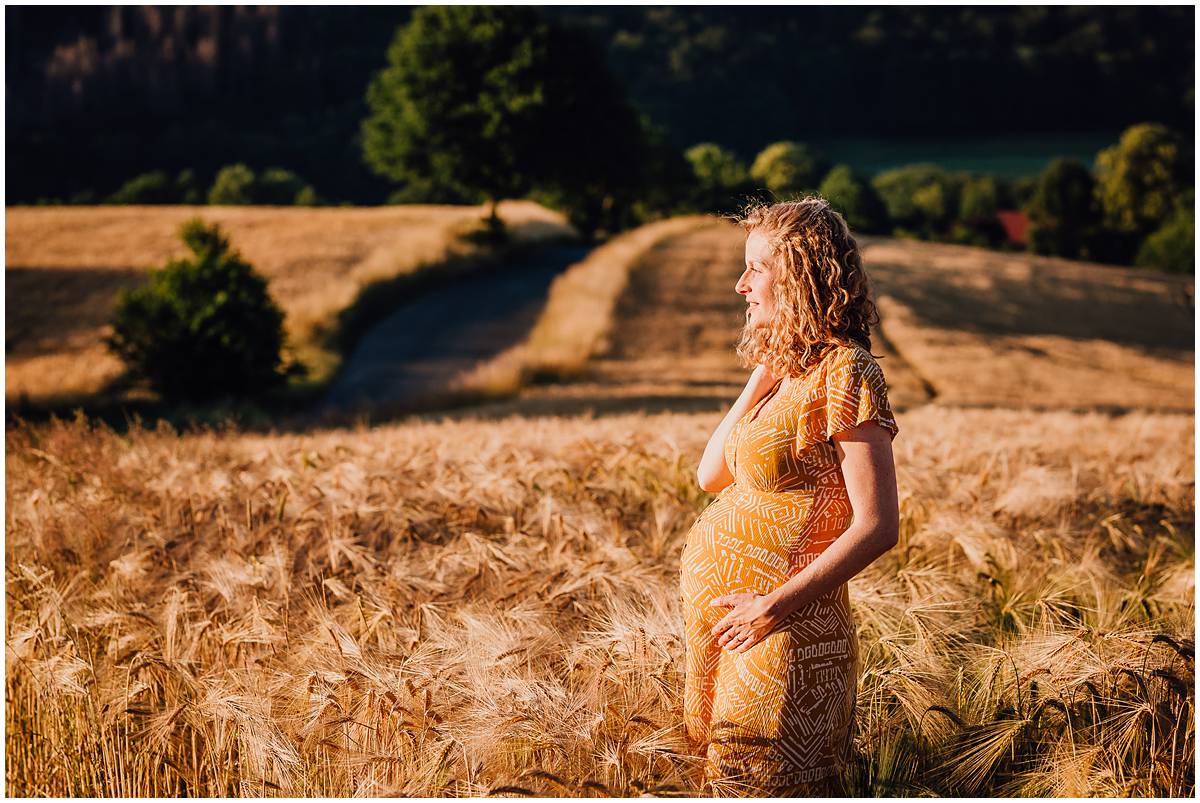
{"x":758,"y":408}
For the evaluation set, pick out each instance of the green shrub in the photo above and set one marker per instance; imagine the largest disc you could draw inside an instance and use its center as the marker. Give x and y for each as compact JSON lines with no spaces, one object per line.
{"x":201,"y":327}
{"x":855,"y":199}
{"x":920,"y":199}
{"x":233,"y":185}
{"x":789,"y":169}
{"x":1173,"y":247}
{"x":155,"y":187}
{"x":275,"y":186}
{"x":307,"y":196}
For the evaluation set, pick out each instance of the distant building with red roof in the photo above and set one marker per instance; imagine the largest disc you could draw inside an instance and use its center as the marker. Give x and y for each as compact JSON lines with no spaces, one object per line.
{"x":1015,"y":225}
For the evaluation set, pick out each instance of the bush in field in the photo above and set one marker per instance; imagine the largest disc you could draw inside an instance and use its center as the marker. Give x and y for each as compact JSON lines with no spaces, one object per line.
{"x":720,"y":176}
{"x":920,"y":199}
{"x":855,"y":199}
{"x":154,"y":187}
{"x":233,"y":185}
{"x":1063,"y":212}
{"x":788,"y":169}
{"x":1139,"y":178}
{"x":237,"y":184}
{"x":201,"y":327}
{"x":1173,"y":246}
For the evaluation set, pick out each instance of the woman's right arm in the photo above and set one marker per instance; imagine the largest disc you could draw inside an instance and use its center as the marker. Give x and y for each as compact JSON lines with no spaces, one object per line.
{"x":713,"y":473}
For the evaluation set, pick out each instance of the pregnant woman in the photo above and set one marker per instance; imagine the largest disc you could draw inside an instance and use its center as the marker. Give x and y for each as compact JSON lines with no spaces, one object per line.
{"x":803,"y":463}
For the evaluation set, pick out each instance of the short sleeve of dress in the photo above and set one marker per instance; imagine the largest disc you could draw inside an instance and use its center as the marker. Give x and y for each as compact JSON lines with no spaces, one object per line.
{"x":855,"y":391}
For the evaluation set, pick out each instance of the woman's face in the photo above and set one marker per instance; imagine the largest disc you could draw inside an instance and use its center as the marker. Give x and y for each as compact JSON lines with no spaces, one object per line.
{"x":757,"y":282}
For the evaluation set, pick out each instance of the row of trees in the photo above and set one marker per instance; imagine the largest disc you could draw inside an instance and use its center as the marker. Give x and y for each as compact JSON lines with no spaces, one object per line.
{"x":233,"y":184}
{"x":480,"y":103}
{"x":1137,"y":208}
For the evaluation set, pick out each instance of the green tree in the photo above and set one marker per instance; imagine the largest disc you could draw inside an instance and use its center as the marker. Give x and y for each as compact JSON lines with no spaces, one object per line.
{"x":154,"y":187}
{"x":977,"y":222}
{"x":920,"y":199}
{"x":460,"y":102}
{"x":233,"y":185}
{"x":719,"y":174}
{"x":855,"y":199}
{"x":1063,"y":212}
{"x":1173,"y":246}
{"x":669,"y":181}
{"x":1139,"y":178}
{"x":598,"y":154}
{"x":201,"y":327}
{"x":789,"y":169}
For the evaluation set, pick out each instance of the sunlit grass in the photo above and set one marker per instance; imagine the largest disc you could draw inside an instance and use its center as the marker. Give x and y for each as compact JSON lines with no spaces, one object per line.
{"x":458,"y":608}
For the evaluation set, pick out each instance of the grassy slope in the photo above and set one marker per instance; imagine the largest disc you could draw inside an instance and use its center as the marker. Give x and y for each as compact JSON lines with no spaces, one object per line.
{"x":452,"y":604}
{"x":64,"y":266}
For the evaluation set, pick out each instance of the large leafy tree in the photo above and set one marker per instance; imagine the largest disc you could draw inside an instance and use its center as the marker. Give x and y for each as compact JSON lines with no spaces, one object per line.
{"x":461,"y":100}
{"x":493,"y":102}
{"x":596,"y":154}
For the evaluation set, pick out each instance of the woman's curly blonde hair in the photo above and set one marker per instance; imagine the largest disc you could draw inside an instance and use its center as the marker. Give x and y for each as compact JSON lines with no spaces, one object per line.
{"x":822,"y":290}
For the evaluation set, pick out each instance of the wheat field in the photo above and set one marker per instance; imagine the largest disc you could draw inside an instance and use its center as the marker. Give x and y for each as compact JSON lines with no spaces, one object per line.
{"x":486,"y":602}
{"x":450,"y":608}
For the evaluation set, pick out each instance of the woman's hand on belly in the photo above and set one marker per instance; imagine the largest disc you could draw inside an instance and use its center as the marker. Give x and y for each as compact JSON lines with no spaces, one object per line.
{"x":752,"y":619}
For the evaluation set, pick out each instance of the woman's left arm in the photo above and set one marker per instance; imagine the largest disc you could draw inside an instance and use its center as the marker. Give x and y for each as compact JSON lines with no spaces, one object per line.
{"x":869,"y":469}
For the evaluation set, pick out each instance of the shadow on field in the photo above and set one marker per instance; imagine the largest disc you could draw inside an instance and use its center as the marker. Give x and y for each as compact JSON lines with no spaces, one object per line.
{"x":89,"y":292}
{"x":1001,"y":295}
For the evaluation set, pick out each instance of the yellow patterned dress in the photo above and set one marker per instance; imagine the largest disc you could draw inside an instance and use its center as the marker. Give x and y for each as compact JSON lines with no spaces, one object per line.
{"x":779,"y":717}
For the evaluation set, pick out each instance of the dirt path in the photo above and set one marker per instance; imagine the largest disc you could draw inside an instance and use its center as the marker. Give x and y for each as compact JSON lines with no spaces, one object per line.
{"x":424,"y":344}
{"x":673,"y":341}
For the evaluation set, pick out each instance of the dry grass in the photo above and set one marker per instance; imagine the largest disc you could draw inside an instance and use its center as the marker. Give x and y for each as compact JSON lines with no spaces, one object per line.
{"x":469,"y":607}
{"x":64,"y":266}
{"x":450,"y":608}
{"x":984,"y":328}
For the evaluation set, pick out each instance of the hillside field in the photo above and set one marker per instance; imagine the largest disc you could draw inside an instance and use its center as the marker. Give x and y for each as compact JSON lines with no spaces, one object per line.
{"x":485,"y":601}
{"x":65,"y":265}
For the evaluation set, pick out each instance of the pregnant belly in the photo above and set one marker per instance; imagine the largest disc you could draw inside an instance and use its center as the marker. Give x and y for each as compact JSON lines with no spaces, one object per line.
{"x":749,"y":540}
{"x":744,"y":541}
